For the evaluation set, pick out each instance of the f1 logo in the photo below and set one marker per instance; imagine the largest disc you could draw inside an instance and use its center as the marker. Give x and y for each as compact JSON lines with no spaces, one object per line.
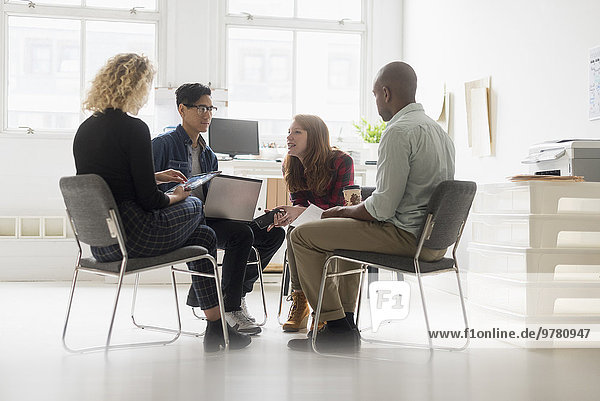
{"x":389,"y":300}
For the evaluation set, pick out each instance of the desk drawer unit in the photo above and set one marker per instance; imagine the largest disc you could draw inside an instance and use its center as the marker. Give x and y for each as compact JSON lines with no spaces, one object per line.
{"x":538,"y":198}
{"x":537,"y":231}
{"x":535,"y":265}
{"x":535,"y":299}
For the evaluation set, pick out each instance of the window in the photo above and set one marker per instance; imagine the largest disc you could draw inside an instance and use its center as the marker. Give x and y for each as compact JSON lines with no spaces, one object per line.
{"x":285,"y":58}
{"x":52,"y":57}
{"x":43,"y":88}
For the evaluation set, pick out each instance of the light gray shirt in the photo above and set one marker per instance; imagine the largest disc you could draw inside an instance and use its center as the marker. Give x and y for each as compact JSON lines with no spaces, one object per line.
{"x":197,"y":169}
{"x":415,"y":155}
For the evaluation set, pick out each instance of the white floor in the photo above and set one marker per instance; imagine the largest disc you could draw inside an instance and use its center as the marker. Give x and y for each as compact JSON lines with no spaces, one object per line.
{"x":34,"y":366}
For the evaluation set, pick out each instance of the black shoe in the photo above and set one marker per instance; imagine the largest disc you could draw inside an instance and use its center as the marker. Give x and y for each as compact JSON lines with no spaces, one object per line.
{"x":350,"y":319}
{"x":213,"y":338}
{"x":329,"y":341}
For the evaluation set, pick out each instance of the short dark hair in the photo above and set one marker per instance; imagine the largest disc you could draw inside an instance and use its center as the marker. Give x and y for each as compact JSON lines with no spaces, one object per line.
{"x":190,"y":93}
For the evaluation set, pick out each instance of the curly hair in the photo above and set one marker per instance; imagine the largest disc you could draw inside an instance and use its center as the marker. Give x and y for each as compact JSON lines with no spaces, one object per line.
{"x":315,"y":172}
{"x":122,"y":83}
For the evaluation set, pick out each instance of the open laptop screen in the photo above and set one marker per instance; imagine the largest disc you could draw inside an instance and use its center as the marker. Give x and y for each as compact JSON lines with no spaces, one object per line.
{"x":232,"y":198}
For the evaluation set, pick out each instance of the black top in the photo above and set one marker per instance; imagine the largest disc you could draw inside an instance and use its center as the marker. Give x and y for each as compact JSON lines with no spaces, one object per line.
{"x":117,"y":147}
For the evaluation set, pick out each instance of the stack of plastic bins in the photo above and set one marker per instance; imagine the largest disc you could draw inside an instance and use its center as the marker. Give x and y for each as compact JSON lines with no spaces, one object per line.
{"x":534,"y":262}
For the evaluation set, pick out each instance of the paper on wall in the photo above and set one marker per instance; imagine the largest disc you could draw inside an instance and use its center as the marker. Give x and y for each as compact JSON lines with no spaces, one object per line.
{"x":311,"y":213}
{"x":595,"y":83}
{"x":480,"y":123}
{"x":480,"y":83}
{"x":444,"y":117}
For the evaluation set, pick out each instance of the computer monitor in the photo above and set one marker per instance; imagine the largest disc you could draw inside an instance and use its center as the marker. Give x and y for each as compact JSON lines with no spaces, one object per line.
{"x":233,"y":137}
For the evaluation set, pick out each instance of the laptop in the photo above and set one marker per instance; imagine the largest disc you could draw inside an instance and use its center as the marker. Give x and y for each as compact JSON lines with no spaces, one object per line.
{"x":232,"y":198}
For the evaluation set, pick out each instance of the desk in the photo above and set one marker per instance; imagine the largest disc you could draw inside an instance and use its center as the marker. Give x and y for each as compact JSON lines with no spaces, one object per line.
{"x":274,"y":192}
{"x":363,"y":175}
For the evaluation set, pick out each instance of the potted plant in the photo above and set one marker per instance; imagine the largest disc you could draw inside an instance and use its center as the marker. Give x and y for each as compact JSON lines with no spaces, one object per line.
{"x":371,"y":135}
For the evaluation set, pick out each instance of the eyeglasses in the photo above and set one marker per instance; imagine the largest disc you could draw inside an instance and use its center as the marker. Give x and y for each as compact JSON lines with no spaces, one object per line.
{"x":202,"y":109}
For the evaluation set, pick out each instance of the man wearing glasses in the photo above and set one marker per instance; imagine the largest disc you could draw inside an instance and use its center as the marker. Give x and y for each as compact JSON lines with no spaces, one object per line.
{"x":185,"y":150}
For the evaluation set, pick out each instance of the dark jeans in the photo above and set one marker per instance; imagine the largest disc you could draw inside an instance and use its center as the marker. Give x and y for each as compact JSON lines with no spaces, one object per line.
{"x":237,"y":239}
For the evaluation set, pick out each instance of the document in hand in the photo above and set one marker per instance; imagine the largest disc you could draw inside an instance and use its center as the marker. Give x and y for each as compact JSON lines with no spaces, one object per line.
{"x":312,"y":213}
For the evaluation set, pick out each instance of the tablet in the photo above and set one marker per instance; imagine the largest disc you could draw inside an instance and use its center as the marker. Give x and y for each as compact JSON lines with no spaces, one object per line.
{"x":195,"y":181}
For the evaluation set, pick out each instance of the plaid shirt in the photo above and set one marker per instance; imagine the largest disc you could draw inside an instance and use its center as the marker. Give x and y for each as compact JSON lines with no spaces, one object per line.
{"x":344,"y":175}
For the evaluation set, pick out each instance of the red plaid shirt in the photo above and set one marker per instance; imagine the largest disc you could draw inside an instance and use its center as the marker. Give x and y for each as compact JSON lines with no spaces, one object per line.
{"x":344,"y":175}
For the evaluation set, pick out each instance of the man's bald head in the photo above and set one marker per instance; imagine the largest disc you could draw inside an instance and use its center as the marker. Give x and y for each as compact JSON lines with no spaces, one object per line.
{"x":394,"y":87}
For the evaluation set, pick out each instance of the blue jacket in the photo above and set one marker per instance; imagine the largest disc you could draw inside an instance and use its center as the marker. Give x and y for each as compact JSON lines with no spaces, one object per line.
{"x":174,"y":150}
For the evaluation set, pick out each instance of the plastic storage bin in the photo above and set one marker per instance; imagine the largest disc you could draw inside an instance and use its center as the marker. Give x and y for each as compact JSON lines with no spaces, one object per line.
{"x":529,"y":264}
{"x":537,"y":231}
{"x":535,"y":299}
{"x":538,"y":198}
{"x":584,"y":331}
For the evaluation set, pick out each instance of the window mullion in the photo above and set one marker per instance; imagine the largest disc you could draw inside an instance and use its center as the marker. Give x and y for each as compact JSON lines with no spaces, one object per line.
{"x":4,"y":70}
{"x":294,"y":71}
{"x":82,"y":64}
{"x":72,"y":12}
{"x":294,"y":23}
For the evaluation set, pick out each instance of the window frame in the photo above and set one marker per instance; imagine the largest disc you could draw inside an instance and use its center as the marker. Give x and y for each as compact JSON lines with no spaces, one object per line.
{"x":83,"y":14}
{"x":295,"y":25}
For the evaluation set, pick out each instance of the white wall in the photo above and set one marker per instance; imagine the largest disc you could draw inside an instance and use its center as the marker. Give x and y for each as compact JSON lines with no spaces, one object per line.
{"x":192,"y":46}
{"x":536,"y":52}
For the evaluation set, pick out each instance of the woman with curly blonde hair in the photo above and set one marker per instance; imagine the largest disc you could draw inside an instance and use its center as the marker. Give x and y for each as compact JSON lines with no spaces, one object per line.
{"x":116,"y":146}
{"x":315,"y":172}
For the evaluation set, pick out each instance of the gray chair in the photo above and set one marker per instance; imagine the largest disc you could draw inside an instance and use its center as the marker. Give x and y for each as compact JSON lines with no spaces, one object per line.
{"x":365,"y":192}
{"x":95,"y":219}
{"x":446,"y":214}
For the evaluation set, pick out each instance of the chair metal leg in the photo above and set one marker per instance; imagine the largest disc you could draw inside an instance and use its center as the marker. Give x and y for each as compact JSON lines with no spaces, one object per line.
{"x":107,"y":345}
{"x":262,"y":286}
{"x":174,"y":270}
{"x":160,"y":328}
{"x":70,"y":303}
{"x":424,"y":304}
{"x":364,"y":270}
{"x":221,"y":302}
{"x":359,"y":296}
{"x":197,"y":315}
{"x":116,"y":303}
{"x":285,"y":278}
{"x":464,"y":310}
{"x":320,"y":303}
{"x":430,"y":345}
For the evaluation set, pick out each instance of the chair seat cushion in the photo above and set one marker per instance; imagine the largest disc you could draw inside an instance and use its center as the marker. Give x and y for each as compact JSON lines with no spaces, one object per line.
{"x":134,"y":264}
{"x":394,"y":261}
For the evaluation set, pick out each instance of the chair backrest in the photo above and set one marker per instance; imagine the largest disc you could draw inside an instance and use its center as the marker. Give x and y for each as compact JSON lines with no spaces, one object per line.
{"x":88,"y":200}
{"x":449,"y":204}
{"x":365,"y":192}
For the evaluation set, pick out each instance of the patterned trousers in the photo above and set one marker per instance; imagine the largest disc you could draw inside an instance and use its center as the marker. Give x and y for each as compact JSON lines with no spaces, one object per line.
{"x":164,"y":230}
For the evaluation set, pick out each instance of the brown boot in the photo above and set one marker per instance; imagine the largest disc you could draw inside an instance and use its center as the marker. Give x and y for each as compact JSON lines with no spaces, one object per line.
{"x":299,"y":312}
{"x":312,"y":325}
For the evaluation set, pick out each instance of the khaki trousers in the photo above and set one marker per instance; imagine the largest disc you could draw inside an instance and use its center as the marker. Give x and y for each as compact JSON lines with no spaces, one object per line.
{"x":314,"y":242}
{"x":291,"y":258}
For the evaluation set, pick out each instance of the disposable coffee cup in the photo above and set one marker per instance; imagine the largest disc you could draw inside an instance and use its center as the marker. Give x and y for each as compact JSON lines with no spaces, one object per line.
{"x":352,"y":195}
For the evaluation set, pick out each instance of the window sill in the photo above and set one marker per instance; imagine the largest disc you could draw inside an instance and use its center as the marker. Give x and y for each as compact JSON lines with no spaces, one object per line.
{"x":40,"y":135}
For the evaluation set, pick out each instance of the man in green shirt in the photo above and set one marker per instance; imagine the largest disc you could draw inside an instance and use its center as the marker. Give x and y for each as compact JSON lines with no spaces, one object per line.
{"x":414,"y":156}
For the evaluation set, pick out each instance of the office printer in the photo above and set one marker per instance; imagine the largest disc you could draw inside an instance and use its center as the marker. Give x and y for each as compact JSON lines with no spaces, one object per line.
{"x":578,"y":157}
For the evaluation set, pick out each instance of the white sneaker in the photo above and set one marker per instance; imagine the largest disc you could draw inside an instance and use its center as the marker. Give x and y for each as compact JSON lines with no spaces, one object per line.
{"x":238,"y":320}
{"x":246,"y":312}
